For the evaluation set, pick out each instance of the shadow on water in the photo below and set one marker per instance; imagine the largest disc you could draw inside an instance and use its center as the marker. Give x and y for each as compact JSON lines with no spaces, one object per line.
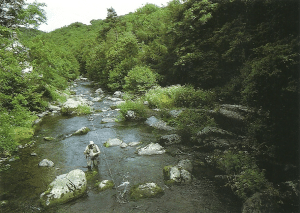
{"x":22,"y":185}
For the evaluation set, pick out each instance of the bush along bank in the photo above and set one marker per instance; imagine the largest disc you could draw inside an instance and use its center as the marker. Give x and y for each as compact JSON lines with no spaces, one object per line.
{"x":218,"y":137}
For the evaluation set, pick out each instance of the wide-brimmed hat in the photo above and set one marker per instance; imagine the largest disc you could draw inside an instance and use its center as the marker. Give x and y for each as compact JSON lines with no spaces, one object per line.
{"x":91,"y":142}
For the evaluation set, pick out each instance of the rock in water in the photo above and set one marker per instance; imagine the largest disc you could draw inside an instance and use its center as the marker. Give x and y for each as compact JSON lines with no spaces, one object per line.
{"x":82,"y":131}
{"x":170,"y":139}
{"x":46,"y":163}
{"x":158,"y":124}
{"x":146,"y":190}
{"x":64,"y":188}
{"x":113,"y":142}
{"x":151,"y":149}
{"x":181,"y":173}
{"x":105,"y":184}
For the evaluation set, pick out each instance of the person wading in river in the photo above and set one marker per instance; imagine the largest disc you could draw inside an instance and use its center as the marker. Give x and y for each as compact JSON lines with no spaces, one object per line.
{"x":91,"y":152}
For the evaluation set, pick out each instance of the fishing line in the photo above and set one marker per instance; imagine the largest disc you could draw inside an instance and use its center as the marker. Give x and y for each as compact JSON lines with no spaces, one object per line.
{"x":108,"y":167}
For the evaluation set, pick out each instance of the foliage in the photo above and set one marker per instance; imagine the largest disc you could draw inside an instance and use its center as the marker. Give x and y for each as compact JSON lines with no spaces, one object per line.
{"x":140,"y":79}
{"x":161,"y":97}
{"x":31,"y":72}
{"x":137,"y":106}
{"x":244,"y":176}
{"x":190,"y":122}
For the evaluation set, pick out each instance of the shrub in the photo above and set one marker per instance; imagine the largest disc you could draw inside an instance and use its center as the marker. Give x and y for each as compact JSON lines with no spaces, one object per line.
{"x":160,"y":97}
{"x":140,"y":79}
{"x":137,"y":106}
{"x":190,"y":122}
{"x":187,"y":96}
{"x":179,"y":96}
{"x":244,"y":176}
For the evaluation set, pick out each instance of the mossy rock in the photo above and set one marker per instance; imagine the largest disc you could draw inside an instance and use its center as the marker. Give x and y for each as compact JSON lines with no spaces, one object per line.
{"x":64,"y":188}
{"x":166,"y":173}
{"x":104,"y":185}
{"x":147,"y":190}
{"x":49,"y":138}
{"x":82,"y":131}
{"x":106,"y":144}
{"x":90,"y":175}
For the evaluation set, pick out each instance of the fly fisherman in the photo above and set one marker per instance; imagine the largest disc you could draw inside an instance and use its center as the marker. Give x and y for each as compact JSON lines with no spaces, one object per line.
{"x":91,"y":152}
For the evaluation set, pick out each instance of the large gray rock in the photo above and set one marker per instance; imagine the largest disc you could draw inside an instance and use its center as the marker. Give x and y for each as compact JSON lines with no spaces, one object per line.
{"x":212,"y":132}
{"x":175,"y":113}
{"x":113,"y":142}
{"x":118,"y":94}
{"x":186,"y":165}
{"x":73,"y":103}
{"x":46,"y":163}
{"x":170,"y":139}
{"x":54,"y":108}
{"x":99,"y":91}
{"x":181,"y":173}
{"x":82,"y":131}
{"x":158,"y":124}
{"x":64,"y":188}
{"x":151,"y":149}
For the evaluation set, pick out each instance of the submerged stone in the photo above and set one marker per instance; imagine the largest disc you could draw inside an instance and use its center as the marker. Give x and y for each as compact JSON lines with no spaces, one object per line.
{"x":64,"y":188}
{"x":108,"y":120}
{"x":49,"y":138}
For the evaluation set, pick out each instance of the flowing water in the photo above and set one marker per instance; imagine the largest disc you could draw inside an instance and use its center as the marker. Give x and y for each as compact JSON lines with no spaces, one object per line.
{"x":23,"y":183}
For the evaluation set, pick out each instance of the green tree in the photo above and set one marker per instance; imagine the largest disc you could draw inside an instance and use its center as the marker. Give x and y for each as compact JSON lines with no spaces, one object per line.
{"x":140,"y":79}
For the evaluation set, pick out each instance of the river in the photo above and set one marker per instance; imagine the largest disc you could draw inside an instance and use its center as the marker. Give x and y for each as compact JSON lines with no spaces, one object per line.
{"x":23,"y":183}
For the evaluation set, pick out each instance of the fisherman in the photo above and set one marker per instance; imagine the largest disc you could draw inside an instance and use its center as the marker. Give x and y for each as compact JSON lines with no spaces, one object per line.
{"x":91,"y":152}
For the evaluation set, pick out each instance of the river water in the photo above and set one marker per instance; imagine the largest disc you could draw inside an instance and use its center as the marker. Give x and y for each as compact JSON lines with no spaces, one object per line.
{"x":23,"y":183}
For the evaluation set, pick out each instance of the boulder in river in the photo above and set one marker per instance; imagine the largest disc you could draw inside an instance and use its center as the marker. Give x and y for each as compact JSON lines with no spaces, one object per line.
{"x":134,"y":143}
{"x":108,"y":120}
{"x":53,"y":108}
{"x":46,"y":163}
{"x":158,"y":124}
{"x":64,"y":188}
{"x":147,"y":190}
{"x":181,"y":173}
{"x":123,"y":145}
{"x":99,"y":91}
{"x":105,"y":184}
{"x":170,"y":139}
{"x":151,"y":149}
{"x":82,"y":131}
{"x":118,"y":94}
{"x":113,"y":142}
{"x":72,"y":105}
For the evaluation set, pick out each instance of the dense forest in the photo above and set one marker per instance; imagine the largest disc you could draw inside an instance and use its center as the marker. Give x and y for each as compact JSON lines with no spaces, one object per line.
{"x":243,"y":52}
